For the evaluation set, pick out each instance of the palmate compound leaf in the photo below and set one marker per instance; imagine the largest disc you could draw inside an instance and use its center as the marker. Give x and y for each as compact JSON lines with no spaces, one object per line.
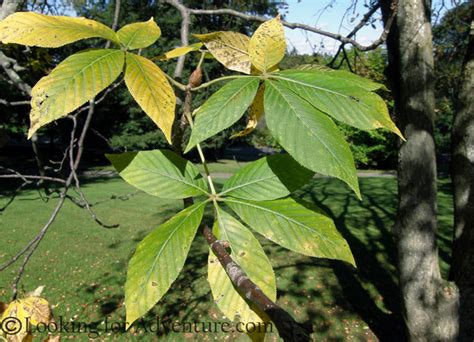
{"x":223,"y":109}
{"x":229,"y":48}
{"x":139,"y":35}
{"x":158,"y":260}
{"x":345,"y":98}
{"x":268,"y":45}
{"x":34,"y":29}
{"x":308,"y":135}
{"x":152,"y":91}
{"x":247,"y":252}
{"x":296,"y":225}
{"x":72,"y":83}
{"x":160,"y":173}
{"x":256,"y":111}
{"x":268,"y":178}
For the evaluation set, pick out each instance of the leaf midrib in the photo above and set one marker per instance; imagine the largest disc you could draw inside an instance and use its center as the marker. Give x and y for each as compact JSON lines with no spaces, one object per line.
{"x":181,"y":180}
{"x":318,"y":88}
{"x":232,"y":200}
{"x":165,"y":243}
{"x":341,"y":166}
{"x":248,"y":183}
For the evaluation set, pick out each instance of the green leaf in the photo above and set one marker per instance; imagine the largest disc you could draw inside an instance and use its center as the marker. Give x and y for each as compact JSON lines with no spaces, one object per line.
{"x":295,"y":225}
{"x":72,"y":83}
{"x":34,"y":29}
{"x":158,"y":260}
{"x":357,"y":80}
{"x":160,"y":173}
{"x":223,"y":109}
{"x":247,"y":252}
{"x":152,"y":91}
{"x":267,"y":178}
{"x":344,"y":98}
{"x":139,"y":35}
{"x":308,"y":135}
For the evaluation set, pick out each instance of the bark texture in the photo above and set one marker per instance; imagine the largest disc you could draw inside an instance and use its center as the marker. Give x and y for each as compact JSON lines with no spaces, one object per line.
{"x":430,"y":304}
{"x":462,"y":171}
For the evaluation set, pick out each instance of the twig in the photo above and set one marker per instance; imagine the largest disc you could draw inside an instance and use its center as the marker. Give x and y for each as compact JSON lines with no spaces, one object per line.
{"x":45,"y":178}
{"x":335,"y":36}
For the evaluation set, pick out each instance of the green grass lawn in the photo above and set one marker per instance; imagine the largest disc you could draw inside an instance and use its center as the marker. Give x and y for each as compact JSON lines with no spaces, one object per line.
{"x":83,"y":266}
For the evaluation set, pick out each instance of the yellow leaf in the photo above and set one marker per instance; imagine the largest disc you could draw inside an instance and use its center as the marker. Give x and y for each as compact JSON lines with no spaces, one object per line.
{"x":229,"y":48}
{"x":36,"y":309}
{"x":139,"y":35}
{"x":24,"y":312}
{"x":267,"y":46}
{"x":179,"y":51}
{"x":255,"y":113}
{"x":34,"y":29}
{"x":72,"y":83}
{"x":150,"y":88}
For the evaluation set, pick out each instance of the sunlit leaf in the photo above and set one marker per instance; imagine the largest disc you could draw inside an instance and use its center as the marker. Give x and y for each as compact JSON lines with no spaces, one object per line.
{"x":180,"y":51}
{"x":229,"y":48}
{"x":34,"y":29}
{"x":223,"y":109}
{"x":296,"y":225}
{"x":268,"y":178}
{"x":72,"y":83}
{"x":268,"y":45}
{"x":152,"y":91}
{"x":20,"y":314}
{"x":308,"y":135}
{"x":139,"y":35}
{"x":256,"y":111}
{"x":158,"y":260}
{"x":160,"y":173}
{"x":343,"y":97}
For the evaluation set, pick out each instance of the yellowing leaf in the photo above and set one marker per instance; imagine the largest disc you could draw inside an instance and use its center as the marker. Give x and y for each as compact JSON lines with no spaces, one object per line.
{"x":267,"y":46}
{"x":23,"y":312}
{"x":34,"y":29}
{"x":150,"y":88}
{"x":139,"y":35}
{"x":179,"y":51}
{"x":255,"y":113}
{"x":72,"y":83}
{"x":229,"y":48}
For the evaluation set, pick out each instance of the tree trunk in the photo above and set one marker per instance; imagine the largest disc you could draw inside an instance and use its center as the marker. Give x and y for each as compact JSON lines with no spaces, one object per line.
{"x":462,"y":173}
{"x":429,"y":303}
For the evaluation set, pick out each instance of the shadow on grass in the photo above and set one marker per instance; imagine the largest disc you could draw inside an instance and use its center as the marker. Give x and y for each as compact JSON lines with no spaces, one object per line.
{"x":329,"y":296}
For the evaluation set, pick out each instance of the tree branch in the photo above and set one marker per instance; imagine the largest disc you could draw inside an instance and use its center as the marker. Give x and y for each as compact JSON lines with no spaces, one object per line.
{"x":335,"y":36}
{"x":287,"y":327}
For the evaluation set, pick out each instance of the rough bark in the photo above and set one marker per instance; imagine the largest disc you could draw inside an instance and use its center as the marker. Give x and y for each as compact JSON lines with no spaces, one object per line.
{"x":462,"y":172}
{"x":429,"y":303}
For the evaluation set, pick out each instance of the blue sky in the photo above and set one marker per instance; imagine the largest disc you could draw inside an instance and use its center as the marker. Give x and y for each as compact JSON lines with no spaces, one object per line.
{"x":311,"y":12}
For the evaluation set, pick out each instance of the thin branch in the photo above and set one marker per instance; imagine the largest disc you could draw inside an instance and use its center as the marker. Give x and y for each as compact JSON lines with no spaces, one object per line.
{"x":335,"y":36}
{"x":185,"y":21}
{"x":14,"y":103}
{"x":44,"y":178}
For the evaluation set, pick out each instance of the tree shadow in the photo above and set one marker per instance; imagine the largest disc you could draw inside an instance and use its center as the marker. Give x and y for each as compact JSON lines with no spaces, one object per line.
{"x":373,"y":250}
